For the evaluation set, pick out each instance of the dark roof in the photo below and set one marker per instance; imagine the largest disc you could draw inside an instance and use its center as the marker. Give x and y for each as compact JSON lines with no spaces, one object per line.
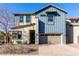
{"x":40,"y":10}
{"x":49,"y":12}
{"x":21,"y":26}
{"x":50,"y":33}
{"x":73,"y":17}
{"x":49,"y":7}
{"x":53,"y":12}
{"x":22,"y":14}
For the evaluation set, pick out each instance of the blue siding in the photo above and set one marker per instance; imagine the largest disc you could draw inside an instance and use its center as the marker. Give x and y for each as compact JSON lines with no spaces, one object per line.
{"x":59,"y":22}
{"x":59,"y":25}
{"x":41,"y":27}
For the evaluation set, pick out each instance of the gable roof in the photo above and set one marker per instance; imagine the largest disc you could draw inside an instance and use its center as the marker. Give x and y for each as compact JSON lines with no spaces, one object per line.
{"x":22,"y":26}
{"x":42,"y":9}
{"x":22,"y":14}
{"x":73,"y":17}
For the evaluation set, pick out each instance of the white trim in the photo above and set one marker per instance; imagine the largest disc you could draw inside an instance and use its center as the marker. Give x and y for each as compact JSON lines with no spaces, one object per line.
{"x":61,"y":39}
{"x":52,"y":22}
{"x":53,"y":6}
{"x":49,"y":23}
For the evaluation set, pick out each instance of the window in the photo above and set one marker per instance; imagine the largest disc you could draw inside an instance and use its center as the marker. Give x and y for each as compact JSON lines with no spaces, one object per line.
{"x":50,"y":17}
{"x":76,"y":21}
{"x":17,"y":35}
{"x":28,"y":19}
{"x":42,"y":15}
{"x":14,"y":35}
{"x":21,"y":18}
{"x":72,"y":21}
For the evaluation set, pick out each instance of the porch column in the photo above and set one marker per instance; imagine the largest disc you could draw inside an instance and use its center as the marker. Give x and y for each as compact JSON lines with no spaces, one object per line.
{"x":37,"y":39}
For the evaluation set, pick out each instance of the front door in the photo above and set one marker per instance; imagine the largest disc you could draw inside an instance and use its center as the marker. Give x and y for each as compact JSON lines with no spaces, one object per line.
{"x":32,"y":36}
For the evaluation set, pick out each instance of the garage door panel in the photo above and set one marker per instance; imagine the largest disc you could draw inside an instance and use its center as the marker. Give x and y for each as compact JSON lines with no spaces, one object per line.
{"x":50,"y":39}
{"x":43,"y":40}
{"x":54,"y":39}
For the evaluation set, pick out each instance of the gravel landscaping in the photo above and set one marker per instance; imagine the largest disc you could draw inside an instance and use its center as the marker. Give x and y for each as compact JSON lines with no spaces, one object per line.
{"x":19,"y":49}
{"x":46,"y":50}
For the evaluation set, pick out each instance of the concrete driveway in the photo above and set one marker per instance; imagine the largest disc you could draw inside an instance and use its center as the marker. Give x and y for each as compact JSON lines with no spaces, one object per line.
{"x":58,"y":50}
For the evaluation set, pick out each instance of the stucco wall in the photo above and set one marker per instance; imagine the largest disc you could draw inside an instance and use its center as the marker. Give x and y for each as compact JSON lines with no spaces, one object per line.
{"x":76,"y":33}
{"x":25,"y":30}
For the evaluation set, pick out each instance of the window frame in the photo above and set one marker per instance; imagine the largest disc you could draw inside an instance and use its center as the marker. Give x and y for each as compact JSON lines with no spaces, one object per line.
{"x":42,"y":15}
{"x":29,"y":19}
{"x":21,"y":19}
{"x":21,"y":35}
{"x":16,"y":36}
{"x":50,"y":19}
{"x":50,"y":22}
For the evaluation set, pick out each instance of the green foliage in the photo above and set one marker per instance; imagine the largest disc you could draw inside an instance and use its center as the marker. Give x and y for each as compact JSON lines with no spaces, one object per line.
{"x":2,"y":34}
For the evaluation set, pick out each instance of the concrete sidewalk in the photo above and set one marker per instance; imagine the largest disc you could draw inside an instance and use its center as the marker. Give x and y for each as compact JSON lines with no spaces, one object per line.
{"x":58,"y":50}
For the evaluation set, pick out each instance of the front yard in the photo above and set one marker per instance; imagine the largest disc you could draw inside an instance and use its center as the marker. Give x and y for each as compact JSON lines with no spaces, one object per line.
{"x":59,"y":50}
{"x":19,"y":49}
{"x":52,"y":50}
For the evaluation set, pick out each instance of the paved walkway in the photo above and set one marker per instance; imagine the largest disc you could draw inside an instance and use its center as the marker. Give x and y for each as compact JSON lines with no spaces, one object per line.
{"x":58,"y":50}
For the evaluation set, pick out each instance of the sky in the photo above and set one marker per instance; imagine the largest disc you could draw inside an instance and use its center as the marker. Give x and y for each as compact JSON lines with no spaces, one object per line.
{"x":71,"y":8}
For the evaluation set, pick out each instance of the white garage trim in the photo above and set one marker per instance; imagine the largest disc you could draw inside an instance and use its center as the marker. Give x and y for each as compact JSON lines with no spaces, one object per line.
{"x":61,"y":39}
{"x":59,"y":36}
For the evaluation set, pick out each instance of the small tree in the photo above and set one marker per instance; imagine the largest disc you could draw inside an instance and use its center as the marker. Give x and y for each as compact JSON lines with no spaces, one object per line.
{"x":6,"y":20}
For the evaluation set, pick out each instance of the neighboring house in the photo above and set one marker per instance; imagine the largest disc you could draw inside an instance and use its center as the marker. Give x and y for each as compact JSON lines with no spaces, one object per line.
{"x":26,"y":28}
{"x":73,"y":30}
{"x":47,"y":25}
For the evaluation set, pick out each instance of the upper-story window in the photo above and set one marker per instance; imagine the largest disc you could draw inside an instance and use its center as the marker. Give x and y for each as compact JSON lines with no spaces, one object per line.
{"x":28,"y":18}
{"x":50,"y":17}
{"x":76,"y":21}
{"x":21,"y":18}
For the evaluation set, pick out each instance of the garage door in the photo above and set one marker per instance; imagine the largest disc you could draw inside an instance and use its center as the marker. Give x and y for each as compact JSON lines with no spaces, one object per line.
{"x":43,"y":39}
{"x":50,"y":39}
{"x":54,"y":39}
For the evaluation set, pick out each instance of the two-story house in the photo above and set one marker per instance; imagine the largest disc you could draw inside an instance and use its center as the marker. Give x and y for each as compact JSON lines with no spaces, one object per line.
{"x":45,"y":26}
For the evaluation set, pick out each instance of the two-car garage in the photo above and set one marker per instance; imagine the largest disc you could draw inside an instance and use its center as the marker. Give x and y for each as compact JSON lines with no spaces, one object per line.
{"x":50,"y":39}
